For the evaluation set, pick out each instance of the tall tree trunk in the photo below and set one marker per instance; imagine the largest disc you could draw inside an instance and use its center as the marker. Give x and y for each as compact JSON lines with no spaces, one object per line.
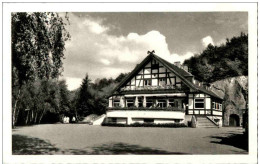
{"x":41,"y":116}
{"x":15,"y":107}
{"x":35,"y":119}
{"x":27,"y":117}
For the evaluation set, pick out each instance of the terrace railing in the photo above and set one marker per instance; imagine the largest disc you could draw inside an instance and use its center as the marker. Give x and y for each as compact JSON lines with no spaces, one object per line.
{"x":163,"y":87}
{"x":146,"y":109}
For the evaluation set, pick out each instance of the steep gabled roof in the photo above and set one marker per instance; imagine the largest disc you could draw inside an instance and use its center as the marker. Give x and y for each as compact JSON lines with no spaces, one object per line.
{"x":177,"y":69}
{"x":182,"y":74}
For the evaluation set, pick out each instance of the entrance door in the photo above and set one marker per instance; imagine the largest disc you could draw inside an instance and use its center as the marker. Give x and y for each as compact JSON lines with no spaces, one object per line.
{"x":234,"y":120}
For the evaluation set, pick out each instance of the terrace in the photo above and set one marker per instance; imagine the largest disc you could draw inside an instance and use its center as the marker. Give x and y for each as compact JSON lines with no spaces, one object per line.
{"x":161,"y":89}
{"x":146,"y":109}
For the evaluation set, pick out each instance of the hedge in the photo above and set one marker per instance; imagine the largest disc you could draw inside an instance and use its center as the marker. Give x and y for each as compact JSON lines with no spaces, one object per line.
{"x":169,"y":125}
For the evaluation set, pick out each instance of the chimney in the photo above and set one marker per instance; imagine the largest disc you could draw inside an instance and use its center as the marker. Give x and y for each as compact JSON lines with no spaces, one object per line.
{"x":206,"y":85}
{"x":178,"y":64}
{"x":186,"y":68}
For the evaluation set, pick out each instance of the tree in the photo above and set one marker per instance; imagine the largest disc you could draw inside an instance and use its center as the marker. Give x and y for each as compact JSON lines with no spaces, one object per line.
{"x":84,"y":102}
{"x":38,"y":44}
{"x":65,"y":106}
{"x":219,"y":62}
{"x":121,"y":77}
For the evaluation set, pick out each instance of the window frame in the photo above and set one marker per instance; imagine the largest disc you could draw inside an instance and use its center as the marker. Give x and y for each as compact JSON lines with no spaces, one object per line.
{"x":149,"y":81}
{"x":132,"y":102}
{"x":162,"y":102}
{"x":199,"y":103}
{"x":116,"y":102}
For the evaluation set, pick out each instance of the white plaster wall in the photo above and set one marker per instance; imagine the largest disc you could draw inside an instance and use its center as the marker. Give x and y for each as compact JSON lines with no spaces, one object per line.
{"x":133,"y":81}
{"x":190,"y":111}
{"x":141,"y":83}
{"x":146,"y":114}
{"x":110,"y":102}
{"x":190,"y":103}
{"x":154,"y":82}
{"x":137,"y":120}
{"x":196,"y":111}
{"x":147,"y":71}
{"x":162,"y":69}
{"x":148,"y":65}
{"x":217,"y":113}
{"x":162,"y":75}
{"x":196,"y":95}
{"x":208,"y":104}
{"x":147,"y":76}
{"x":202,"y":111}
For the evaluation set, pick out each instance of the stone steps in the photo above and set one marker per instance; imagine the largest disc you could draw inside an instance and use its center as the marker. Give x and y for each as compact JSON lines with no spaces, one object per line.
{"x":204,"y":122}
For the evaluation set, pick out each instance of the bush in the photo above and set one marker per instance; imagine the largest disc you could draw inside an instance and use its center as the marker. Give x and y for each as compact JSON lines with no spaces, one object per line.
{"x":169,"y":125}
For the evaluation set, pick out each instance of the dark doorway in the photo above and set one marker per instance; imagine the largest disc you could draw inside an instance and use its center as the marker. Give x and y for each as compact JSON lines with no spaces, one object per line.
{"x":234,"y":120}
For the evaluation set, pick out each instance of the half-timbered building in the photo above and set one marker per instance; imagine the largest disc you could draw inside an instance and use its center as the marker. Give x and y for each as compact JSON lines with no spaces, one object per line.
{"x":157,"y":91}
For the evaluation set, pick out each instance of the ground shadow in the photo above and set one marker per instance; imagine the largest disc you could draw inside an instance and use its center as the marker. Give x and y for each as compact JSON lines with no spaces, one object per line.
{"x":23,"y":145}
{"x":232,"y":139}
{"x":120,"y":148}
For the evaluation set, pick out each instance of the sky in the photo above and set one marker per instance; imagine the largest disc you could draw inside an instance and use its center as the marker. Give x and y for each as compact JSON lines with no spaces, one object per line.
{"x":107,"y":44}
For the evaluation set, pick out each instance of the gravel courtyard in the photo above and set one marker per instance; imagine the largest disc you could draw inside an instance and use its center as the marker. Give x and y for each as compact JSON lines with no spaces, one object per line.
{"x":87,"y":139}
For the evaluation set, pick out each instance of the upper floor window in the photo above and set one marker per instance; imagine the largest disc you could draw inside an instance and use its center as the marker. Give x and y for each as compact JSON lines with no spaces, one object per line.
{"x":155,"y":66}
{"x":147,"y":82}
{"x":213,"y":105}
{"x":217,"y":106}
{"x":162,"y":81}
{"x":199,"y":103}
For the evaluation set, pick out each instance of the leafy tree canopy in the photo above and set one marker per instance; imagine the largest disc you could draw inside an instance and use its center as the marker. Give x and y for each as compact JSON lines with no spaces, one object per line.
{"x":220,"y":62}
{"x":38,"y":42}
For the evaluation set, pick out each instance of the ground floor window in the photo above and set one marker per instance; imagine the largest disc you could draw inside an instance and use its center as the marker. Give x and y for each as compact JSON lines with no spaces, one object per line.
{"x":177,"y":120}
{"x":140,"y":102}
{"x":112,"y":120}
{"x":173,"y":103}
{"x":149,"y":103}
{"x":130,"y":102}
{"x":161,"y":103}
{"x":199,"y":103}
{"x":148,"y":120}
{"x":116,"y":103}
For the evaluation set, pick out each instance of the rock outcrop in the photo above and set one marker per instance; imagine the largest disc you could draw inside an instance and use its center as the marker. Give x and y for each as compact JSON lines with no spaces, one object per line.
{"x":234,"y":91}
